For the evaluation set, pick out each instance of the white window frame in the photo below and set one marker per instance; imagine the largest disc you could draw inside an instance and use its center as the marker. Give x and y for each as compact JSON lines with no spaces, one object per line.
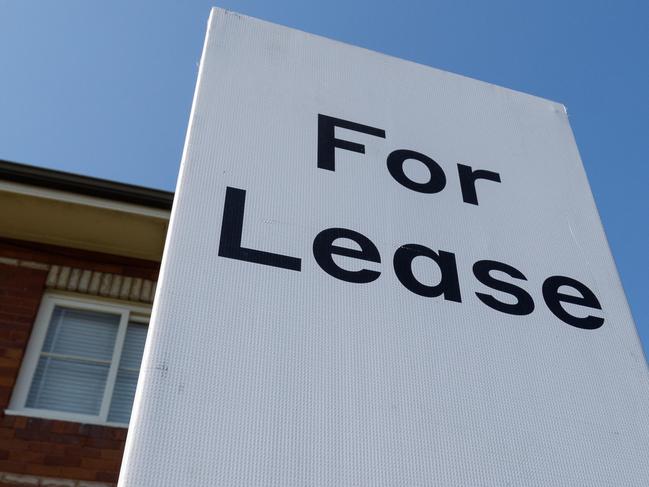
{"x":128,"y":313}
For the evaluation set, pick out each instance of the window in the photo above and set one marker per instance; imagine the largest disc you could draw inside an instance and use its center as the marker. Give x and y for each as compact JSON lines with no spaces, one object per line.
{"x":82,"y":362}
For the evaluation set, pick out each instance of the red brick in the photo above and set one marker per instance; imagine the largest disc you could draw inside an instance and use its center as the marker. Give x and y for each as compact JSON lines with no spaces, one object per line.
{"x":119,"y":434}
{"x":12,"y":353}
{"x":100,"y":464}
{"x":14,"y":444}
{"x":94,"y":431}
{"x":65,"y":427}
{"x":8,"y":366}
{"x":103,"y":443}
{"x":77,"y":473}
{"x":64,"y":461}
{"x":7,"y":380}
{"x":27,"y":456}
{"x":45,"y":447}
{"x":13,"y":320}
{"x":36,"y":435}
{"x":44,"y":470}
{"x":85,"y":452}
{"x":6,"y":433}
{"x":113,"y":454}
{"x":19,"y":336}
{"x":107,"y":476}
{"x":5,"y":395}
{"x":38,"y":424}
{"x":7,"y":421}
{"x":12,"y":466}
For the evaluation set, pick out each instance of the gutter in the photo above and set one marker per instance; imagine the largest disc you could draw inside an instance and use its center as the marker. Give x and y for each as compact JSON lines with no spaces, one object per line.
{"x":85,"y":185}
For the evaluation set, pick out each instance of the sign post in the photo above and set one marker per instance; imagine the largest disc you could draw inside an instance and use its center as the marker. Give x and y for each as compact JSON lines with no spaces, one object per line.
{"x":379,"y":273}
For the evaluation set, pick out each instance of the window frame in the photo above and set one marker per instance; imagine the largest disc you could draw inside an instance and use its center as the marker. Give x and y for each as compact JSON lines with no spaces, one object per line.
{"x":128,"y":312}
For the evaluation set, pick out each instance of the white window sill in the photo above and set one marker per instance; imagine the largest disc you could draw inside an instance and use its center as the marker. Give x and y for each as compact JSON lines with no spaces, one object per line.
{"x":62,"y":416}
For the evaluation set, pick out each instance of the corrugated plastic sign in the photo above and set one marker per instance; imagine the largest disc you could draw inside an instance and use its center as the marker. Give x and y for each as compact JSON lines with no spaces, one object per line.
{"x":378,"y":273}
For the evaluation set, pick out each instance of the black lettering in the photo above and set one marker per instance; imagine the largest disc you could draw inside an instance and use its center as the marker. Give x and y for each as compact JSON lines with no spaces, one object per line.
{"x":468,"y":177}
{"x":327,"y":141}
{"x":324,"y":249}
{"x":524,"y":303}
{"x":553,"y":298}
{"x":437,"y":180}
{"x":232,"y":229}
{"x":449,"y":284}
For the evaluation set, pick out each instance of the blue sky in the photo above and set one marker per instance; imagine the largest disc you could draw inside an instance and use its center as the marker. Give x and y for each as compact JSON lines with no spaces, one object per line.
{"x":105,"y":88}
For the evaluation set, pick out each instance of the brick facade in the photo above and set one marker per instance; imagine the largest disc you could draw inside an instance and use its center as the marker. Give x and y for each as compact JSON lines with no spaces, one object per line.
{"x":37,"y":451}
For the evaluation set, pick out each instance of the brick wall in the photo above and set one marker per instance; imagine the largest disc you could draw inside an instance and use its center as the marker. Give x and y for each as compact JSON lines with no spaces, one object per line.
{"x":37,"y":451}
{"x":60,"y":449}
{"x":20,"y":295}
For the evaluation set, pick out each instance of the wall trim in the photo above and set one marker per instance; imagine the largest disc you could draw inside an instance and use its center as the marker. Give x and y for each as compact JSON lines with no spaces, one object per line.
{"x":89,"y":282}
{"x":103,"y":284}
{"x":24,"y":263}
{"x":19,"y":479}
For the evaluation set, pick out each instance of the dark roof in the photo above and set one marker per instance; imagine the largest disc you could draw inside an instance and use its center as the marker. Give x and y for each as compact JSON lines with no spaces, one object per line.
{"x":85,"y":185}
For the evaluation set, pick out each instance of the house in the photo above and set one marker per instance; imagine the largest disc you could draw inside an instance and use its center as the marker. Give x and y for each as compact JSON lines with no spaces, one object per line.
{"x":79,"y":259}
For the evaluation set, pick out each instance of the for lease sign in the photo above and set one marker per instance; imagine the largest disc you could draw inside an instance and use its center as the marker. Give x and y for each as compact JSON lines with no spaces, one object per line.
{"x":378,"y":273}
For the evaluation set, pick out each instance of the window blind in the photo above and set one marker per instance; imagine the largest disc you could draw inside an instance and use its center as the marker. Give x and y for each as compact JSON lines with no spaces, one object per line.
{"x":74,"y":362}
{"x":127,"y":374}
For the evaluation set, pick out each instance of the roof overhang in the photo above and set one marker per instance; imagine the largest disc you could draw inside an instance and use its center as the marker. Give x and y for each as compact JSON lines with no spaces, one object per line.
{"x":53,"y":207}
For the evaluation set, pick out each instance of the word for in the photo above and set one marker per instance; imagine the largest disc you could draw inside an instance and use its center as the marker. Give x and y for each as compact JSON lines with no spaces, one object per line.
{"x":327,"y":144}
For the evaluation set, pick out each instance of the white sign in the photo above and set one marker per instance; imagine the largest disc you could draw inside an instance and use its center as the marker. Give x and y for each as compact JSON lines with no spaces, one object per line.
{"x":378,"y":273}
